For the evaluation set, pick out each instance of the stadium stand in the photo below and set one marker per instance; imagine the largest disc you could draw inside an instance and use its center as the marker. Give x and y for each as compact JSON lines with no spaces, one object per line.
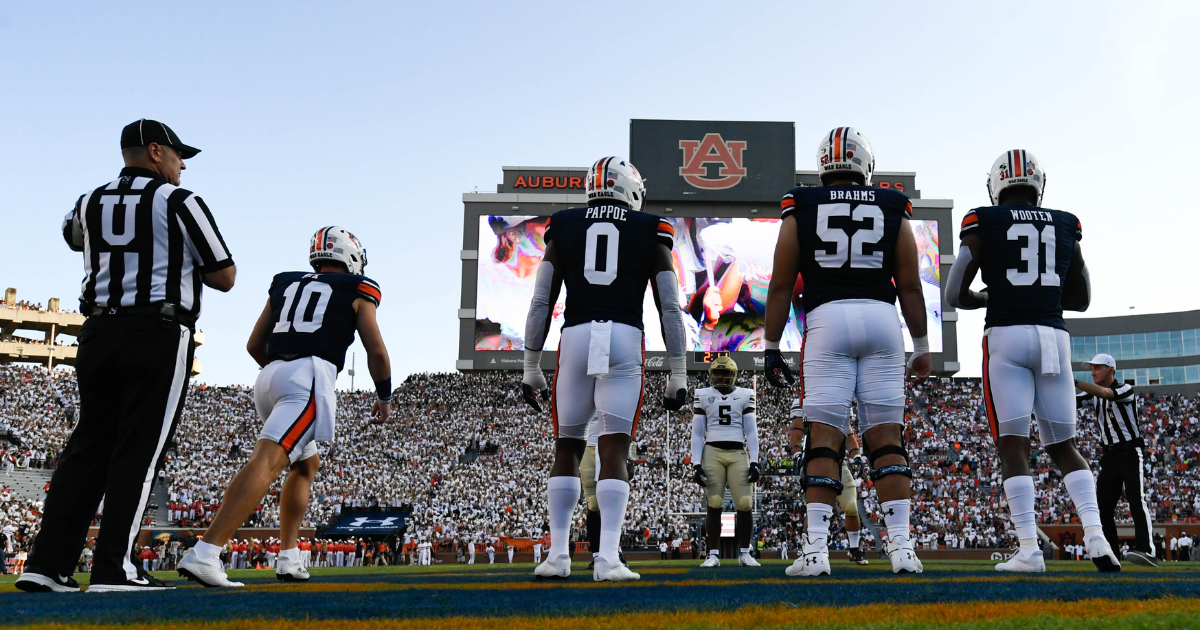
{"x":468,"y":460}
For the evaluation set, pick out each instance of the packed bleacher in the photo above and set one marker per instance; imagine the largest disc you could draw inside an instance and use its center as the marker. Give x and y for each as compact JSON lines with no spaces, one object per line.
{"x":468,"y":459}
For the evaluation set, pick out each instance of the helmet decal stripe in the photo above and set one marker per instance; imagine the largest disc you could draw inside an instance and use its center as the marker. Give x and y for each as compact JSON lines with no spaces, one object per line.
{"x":1012,"y":163}
{"x":599,"y":184}
{"x":846,"y":142}
{"x":604,"y":173}
{"x":837,"y":144}
{"x":321,"y":238}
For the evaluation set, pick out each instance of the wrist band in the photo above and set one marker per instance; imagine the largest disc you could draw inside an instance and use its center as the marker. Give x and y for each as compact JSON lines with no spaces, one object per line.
{"x":383,"y":389}
{"x":770,"y":345}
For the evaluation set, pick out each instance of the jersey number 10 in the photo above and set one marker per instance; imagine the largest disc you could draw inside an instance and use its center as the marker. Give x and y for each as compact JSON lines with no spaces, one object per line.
{"x":1029,"y":254}
{"x":321,"y":290}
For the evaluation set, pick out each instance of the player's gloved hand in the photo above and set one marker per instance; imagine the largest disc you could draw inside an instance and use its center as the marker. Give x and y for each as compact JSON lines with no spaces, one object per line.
{"x":675,"y":396}
{"x":534,"y":385}
{"x":753,"y":476}
{"x":777,"y":369}
{"x":858,"y":465}
{"x":918,"y":366}
{"x":699,"y":477}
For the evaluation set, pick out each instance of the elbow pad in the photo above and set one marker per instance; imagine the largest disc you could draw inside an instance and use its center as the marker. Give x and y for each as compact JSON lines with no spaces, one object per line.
{"x":958,"y":271}
{"x":672,"y":317}
{"x":537,"y":323}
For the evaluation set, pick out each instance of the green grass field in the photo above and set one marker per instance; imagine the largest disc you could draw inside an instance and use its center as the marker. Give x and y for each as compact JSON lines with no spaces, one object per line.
{"x":671,"y":594}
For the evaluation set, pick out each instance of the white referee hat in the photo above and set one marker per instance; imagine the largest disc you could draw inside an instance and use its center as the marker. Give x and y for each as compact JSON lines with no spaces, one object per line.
{"x":1103,"y":359}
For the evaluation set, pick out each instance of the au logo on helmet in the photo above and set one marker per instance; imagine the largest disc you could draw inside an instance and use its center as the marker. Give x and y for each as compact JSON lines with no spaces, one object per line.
{"x":713,"y":149}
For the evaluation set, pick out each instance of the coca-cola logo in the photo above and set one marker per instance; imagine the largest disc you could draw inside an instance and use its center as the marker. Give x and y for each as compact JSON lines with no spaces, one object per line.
{"x":656,"y":362}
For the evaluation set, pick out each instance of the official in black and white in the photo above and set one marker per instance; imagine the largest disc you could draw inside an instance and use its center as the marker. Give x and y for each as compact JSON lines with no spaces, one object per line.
{"x":1122,"y":462}
{"x":148,"y":247}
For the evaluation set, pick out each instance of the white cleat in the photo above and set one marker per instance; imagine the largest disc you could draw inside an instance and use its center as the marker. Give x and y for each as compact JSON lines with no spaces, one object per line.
{"x":1101,"y":553}
{"x":812,"y":561}
{"x":616,"y":572}
{"x":711,"y":561}
{"x":1024,"y":561}
{"x":746,"y":560}
{"x":904,"y":558}
{"x":206,"y":573}
{"x":554,"y":568}
{"x":288,"y":570}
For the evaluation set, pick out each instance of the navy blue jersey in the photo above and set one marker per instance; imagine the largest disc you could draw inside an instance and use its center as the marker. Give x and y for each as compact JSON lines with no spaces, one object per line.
{"x":847,"y":241}
{"x":1024,"y":260}
{"x":607,"y":254}
{"x":313,"y":314}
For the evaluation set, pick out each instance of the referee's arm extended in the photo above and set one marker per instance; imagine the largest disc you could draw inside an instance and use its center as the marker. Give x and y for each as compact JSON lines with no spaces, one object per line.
{"x":1107,"y":393}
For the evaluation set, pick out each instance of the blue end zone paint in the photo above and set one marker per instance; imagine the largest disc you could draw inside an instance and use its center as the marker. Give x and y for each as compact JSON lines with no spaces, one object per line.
{"x":658,"y":592}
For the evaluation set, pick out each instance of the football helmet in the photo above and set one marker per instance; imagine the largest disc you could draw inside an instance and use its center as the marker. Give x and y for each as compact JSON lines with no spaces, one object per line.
{"x":845,"y":150}
{"x":1016,"y":168}
{"x":723,"y":372}
{"x":336,"y":244}
{"x":615,"y":179}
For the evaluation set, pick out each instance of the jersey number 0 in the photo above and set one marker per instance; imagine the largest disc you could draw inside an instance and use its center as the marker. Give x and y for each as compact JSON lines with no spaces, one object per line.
{"x":321,"y":290}
{"x":606,"y":236}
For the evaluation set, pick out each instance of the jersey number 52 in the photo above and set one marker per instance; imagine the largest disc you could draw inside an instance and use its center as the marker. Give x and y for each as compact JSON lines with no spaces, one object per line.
{"x":848,"y":248}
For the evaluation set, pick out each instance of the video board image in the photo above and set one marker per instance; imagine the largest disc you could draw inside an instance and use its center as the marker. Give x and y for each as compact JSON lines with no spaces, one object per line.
{"x":724,"y":270}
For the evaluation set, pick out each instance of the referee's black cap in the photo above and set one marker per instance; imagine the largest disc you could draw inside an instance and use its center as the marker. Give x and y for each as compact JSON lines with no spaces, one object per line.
{"x":140,"y":133}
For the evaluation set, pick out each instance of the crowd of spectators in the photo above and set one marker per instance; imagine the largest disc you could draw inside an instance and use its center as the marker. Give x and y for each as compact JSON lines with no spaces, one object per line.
{"x":468,"y":460}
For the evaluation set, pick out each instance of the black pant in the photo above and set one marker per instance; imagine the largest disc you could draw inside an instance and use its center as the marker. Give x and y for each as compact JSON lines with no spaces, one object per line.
{"x":1117,"y":469}
{"x":133,"y":373}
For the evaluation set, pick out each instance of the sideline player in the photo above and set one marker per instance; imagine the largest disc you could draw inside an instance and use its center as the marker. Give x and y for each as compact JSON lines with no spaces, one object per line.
{"x":1031,"y":261}
{"x":848,"y":499}
{"x":857,"y":253}
{"x":300,"y":340}
{"x":725,"y":453}
{"x":604,"y":254}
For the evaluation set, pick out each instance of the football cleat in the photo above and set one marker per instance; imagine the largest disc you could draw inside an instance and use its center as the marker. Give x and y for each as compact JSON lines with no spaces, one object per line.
{"x":142,"y":583}
{"x":288,"y":570}
{"x":37,"y":583}
{"x":1142,"y":558}
{"x":711,"y":561}
{"x":206,"y":573}
{"x":857,"y":556}
{"x":813,"y":559}
{"x":554,"y":568}
{"x":904,"y":558}
{"x":1101,"y":553}
{"x":1024,"y":561}
{"x":606,"y":572}
{"x":747,"y":560}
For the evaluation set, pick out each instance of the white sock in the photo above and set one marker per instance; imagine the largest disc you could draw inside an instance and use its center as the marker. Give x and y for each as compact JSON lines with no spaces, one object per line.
{"x":613,"y":496}
{"x":562,"y":495}
{"x":819,"y":515}
{"x":206,"y":551}
{"x":853,"y":536}
{"x":290,"y":554}
{"x":746,"y":551}
{"x":1020,"y":494}
{"x":1081,"y":485}
{"x":895,"y":516}
{"x":714,"y":552}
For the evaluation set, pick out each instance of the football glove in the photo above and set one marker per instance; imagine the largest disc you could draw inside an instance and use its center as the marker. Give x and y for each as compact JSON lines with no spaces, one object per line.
{"x":858,"y":466}
{"x":777,"y":369}
{"x":699,"y":477}
{"x":534,"y":385}
{"x":676,"y":384}
{"x":753,"y":477}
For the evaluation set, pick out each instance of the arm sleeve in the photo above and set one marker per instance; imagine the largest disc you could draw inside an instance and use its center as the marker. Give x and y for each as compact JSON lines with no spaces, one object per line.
{"x":72,"y":228}
{"x":958,"y":277}
{"x":203,"y":236}
{"x":672,"y":316}
{"x":750,"y":426}
{"x":699,"y":422}
{"x":537,"y":323}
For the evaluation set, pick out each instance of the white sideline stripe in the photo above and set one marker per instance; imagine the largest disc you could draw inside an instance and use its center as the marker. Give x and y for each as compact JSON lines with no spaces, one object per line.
{"x":174,"y":398}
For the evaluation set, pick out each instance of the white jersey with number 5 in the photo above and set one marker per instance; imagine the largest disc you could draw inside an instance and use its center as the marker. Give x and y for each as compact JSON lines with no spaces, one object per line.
{"x":725,"y":414}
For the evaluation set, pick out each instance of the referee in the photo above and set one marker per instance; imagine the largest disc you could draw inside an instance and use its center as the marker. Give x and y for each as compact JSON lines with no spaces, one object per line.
{"x":148,"y":246}
{"x":1121,"y":463}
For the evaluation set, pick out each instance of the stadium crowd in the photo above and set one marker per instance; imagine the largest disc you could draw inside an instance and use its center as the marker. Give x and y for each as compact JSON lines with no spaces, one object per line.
{"x":469,"y":460}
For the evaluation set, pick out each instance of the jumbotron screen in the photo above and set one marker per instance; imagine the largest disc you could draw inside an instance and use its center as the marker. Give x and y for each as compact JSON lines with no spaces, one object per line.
{"x":724,"y":269}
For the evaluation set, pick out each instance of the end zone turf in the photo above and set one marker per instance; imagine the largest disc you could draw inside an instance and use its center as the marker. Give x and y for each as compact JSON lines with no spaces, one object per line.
{"x":671,"y":594}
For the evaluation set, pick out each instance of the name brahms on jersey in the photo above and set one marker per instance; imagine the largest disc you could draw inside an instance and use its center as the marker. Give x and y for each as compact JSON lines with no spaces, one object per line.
{"x":607,"y":212}
{"x":852,"y":195}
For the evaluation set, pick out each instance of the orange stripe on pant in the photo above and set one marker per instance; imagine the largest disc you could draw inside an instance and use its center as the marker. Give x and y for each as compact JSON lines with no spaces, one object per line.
{"x":302,"y":424}
{"x":637,"y":414}
{"x":987,"y":395}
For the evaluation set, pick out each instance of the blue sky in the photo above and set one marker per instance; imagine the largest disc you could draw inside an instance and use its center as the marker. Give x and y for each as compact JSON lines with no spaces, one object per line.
{"x":377,"y":116}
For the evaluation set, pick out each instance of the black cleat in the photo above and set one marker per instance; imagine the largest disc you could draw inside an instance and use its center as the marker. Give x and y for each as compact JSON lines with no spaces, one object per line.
{"x":38,"y":583}
{"x":857,"y":556}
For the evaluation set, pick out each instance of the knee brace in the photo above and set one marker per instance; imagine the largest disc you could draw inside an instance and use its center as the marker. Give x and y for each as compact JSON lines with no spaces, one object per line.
{"x":820,"y":452}
{"x":894,"y":469}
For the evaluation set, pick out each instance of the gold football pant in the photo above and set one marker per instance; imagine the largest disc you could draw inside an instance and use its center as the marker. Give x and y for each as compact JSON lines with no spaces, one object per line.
{"x":724,"y":467}
{"x":587,"y":476}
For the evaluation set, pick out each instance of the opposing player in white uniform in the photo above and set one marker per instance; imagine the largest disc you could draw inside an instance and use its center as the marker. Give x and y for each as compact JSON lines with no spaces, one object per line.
{"x":1031,"y":261}
{"x":852,"y":467}
{"x":725,"y":454}
{"x":300,"y":340}
{"x":605,"y":254}
{"x":857,"y":254}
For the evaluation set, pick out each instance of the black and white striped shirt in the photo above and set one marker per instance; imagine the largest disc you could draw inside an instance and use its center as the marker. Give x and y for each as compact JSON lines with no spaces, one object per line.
{"x":144,"y":241}
{"x":1117,"y":417}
